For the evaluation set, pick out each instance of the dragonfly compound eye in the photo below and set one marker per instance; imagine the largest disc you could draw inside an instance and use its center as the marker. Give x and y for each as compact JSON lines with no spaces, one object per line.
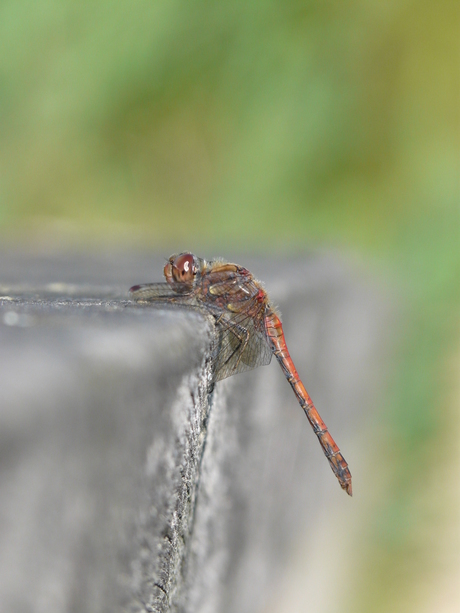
{"x":183,"y":268}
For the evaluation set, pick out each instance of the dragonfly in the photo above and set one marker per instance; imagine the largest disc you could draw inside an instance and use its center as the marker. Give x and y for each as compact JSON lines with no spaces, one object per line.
{"x":249,"y":330}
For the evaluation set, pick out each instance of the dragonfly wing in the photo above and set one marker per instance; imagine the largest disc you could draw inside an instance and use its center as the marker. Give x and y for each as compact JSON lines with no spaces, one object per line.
{"x":159,"y":292}
{"x":242,"y":346}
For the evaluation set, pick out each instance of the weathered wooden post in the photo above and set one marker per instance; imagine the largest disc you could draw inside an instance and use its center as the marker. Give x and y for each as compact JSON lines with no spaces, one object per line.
{"x":124,"y":484}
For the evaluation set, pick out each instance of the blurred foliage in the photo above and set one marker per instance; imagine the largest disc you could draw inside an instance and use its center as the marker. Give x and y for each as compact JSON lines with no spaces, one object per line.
{"x":278,"y":125}
{"x":287,"y":122}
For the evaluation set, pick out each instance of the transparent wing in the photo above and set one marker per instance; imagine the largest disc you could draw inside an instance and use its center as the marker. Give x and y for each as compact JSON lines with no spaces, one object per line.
{"x":159,"y":292}
{"x":242,"y":344}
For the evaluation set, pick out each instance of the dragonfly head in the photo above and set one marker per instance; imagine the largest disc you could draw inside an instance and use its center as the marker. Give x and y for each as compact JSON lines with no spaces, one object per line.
{"x":182,"y":269}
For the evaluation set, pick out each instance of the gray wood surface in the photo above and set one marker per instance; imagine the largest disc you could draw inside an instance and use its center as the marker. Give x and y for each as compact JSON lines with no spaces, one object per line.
{"x":124,"y":484}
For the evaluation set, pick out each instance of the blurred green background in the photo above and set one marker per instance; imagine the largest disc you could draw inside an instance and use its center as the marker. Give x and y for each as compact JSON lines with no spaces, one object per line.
{"x":275,"y":126}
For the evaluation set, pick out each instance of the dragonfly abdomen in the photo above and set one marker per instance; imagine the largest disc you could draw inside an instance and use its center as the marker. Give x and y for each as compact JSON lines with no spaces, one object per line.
{"x":336,"y":460}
